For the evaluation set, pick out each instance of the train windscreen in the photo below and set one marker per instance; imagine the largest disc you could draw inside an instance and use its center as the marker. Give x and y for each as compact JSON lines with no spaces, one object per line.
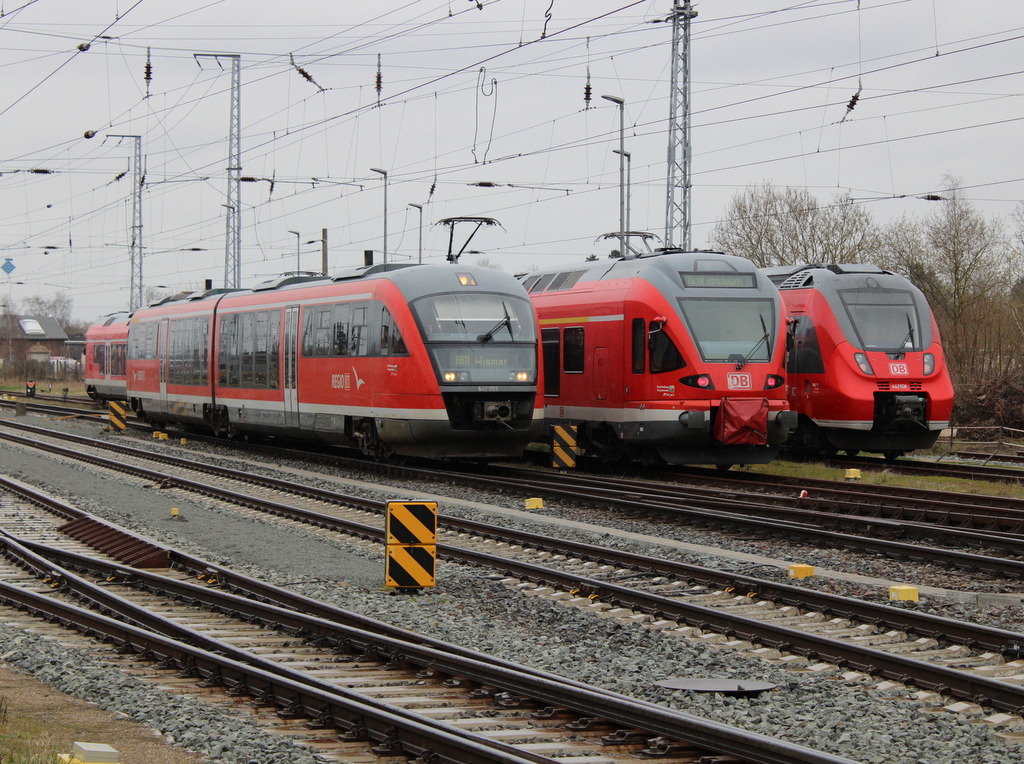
{"x":731,"y":331}
{"x":475,"y":317}
{"x":884,"y":319}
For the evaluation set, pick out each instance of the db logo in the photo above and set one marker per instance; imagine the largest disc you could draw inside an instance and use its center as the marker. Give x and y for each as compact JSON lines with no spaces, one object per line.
{"x":738,"y":380}
{"x":898,"y":368}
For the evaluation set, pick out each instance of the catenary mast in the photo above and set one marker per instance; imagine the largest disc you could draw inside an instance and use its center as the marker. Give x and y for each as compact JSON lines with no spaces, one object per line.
{"x":678,"y":209}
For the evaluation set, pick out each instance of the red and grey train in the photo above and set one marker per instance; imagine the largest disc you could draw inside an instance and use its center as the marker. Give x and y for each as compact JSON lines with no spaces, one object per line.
{"x":105,"y":358}
{"x":866,"y":370}
{"x":415,"y":360}
{"x":673,"y":356}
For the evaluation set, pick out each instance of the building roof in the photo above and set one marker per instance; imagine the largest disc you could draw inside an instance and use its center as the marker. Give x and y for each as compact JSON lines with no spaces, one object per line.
{"x":37,"y":328}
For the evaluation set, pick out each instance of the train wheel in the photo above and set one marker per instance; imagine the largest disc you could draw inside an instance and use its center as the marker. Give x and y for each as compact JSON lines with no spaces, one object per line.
{"x":852,"y":452}
{"x":723,"y":467}
{"x":891,"y":456}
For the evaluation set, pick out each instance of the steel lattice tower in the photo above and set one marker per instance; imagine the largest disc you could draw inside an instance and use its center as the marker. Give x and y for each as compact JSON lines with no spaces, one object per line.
{"x":233,"y":238}
{"x":678,"y":208}
{"x":135,"y":293}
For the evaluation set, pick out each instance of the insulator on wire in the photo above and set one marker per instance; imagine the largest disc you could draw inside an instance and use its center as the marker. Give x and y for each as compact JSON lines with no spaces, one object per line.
{"x":380,"y":79}
{"x":148,"y":72}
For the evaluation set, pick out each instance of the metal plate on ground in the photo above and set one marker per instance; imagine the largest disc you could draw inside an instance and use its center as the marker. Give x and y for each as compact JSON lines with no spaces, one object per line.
{"x":743,"y":688}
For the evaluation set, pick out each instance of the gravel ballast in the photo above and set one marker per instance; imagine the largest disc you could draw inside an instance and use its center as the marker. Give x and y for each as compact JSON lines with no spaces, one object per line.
{"x":845,"y":717}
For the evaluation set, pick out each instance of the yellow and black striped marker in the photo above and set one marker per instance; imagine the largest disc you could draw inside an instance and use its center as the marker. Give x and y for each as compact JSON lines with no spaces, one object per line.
{"x":411,"y":558}
{"x":563,"y":446}
{"x":117,"y":411}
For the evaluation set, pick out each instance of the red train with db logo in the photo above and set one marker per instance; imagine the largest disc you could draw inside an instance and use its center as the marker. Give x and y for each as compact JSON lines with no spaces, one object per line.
{"x":671,"y":356}
{"x":417,"y":360}
{"x":106,"y":346}
{"x":866,"y":370}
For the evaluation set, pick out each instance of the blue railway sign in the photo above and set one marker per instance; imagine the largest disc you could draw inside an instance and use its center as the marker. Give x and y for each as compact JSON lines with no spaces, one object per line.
{"x":8,"y":266}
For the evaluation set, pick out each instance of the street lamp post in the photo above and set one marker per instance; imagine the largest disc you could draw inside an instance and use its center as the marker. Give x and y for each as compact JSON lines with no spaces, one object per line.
{"x":298,"y":256}
{"x":420,"y":208}
{"x":385,"y":174}
{"x":629,"y":188}
{"x":622,"y":170}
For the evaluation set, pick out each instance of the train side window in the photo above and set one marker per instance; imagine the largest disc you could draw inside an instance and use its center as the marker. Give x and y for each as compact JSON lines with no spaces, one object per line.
{"x":552,"y":346}
{"x":574,"y":356}
{"x":639,"y":348}
{"x":665,"y":356}
{"x":248,"y":348}
{"x":274,"y":350}
{"x":308,"y":345}
{"x":324,"y":329}
{"x":342,"y":314}
{"x":360,"y":341}
{"x":227,"y":372}
{"x":99,"y":357}
{"x":261,"y":356}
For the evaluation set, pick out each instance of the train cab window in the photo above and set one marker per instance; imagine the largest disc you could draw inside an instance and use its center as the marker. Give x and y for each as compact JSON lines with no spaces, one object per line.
{"x":639,"y":345}
{"x":391,"y":342}
{"x":805,"y":353}
{"x":552,"y":345}
{"x":665,"y":356}
{"x":573,"y":358}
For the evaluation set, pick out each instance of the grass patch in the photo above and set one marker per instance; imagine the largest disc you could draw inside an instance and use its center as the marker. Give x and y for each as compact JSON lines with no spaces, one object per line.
{"x":887,"y":477}
{"x":25,"y":740}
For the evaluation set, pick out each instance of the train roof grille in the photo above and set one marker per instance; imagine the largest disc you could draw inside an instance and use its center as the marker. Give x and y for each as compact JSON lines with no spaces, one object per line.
{"x":294,"y":278}
{"x":369,"y":270}
{"x":798,"y":280}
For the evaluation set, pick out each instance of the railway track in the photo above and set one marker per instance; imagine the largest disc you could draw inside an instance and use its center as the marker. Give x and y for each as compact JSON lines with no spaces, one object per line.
{"x":767,"y":514}
{"x":786,"y":623}
{"x":307,"y":661}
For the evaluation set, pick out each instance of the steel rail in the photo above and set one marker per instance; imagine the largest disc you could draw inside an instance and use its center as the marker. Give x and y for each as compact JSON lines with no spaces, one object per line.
{"x":999,"y":566}
{"x":629,"y":713}
{"x":1000,"y":694}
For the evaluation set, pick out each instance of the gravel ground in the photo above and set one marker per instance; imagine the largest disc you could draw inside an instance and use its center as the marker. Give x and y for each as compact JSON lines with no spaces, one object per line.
{"x":848,"y":718}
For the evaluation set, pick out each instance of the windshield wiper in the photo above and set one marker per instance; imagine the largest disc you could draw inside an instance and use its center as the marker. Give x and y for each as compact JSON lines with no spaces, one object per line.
{"x":764,"y":338}
{"x":506,"y":322}
{"x":909,"y":338}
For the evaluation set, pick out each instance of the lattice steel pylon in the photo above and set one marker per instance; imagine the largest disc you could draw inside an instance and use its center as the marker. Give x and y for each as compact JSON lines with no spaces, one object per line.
{"x":678,"y":206}
{"x":135,"y":248}
{"x":233,"y":237}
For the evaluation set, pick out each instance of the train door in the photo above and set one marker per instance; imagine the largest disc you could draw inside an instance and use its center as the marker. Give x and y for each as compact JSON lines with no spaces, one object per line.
{"x":291,"y":366}
{"x":162,"y":353}
{"x":601,"y":374}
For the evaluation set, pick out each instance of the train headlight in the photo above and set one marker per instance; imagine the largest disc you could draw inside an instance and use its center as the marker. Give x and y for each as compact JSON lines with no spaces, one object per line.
{"x":774,"y":381}
{"x":863,"y":363}
{"x":519,"y":376}
{"x":929,"y":363}
{"x":449,"y":376}
{"x":701,"y":381}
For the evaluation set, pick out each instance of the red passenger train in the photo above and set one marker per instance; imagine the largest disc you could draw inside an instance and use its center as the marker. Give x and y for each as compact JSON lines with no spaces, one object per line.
{"x":417,"y":360}
{"x":670,"y":355}
{"x":866,"y":368}
{"x":106,"y":347}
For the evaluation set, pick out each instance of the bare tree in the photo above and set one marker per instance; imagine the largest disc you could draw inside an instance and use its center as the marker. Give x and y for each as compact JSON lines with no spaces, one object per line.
{"x":772,"y":226}
{"x":58,"y":307}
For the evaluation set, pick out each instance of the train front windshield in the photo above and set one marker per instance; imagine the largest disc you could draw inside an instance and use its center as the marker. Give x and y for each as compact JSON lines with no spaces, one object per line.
{"x":730,"y":330}
{"x":883,"y":319}
{"x":479,"y":338}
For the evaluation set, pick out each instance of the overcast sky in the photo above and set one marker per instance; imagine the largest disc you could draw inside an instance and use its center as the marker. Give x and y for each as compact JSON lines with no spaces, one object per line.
{"x":471,"y":93}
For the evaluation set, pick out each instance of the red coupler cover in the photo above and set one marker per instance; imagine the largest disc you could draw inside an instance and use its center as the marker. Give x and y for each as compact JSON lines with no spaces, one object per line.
{"x":742,"y":421}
